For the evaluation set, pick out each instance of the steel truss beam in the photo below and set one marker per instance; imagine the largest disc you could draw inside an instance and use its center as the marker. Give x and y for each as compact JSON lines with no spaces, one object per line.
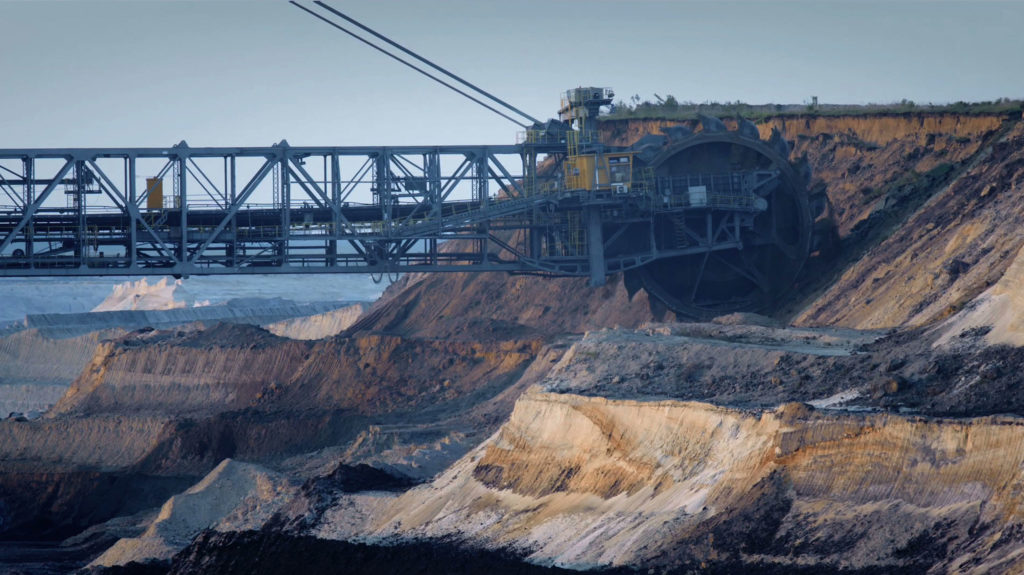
{"x":340,"y":209}
{"x":283,"y":209}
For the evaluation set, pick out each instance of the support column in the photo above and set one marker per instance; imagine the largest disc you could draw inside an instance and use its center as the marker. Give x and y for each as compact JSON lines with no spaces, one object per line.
{"x":432,"y":165}
{"x":82,"y":239}
{"x":595,"y":245}
{"x":133,"y":224}
{"x":232,"y":186}
{"x":480,"y":178}
{"x":382,"y":167}
{"x":30,"y":198}
{"x":332,"y":244}
{"x":286,"y":209}
{"x":183,"y":208}
{"x":378,"y":252}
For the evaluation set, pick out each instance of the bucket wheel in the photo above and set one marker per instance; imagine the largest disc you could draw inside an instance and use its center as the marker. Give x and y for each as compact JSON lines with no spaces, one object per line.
{"x":752,"y":277}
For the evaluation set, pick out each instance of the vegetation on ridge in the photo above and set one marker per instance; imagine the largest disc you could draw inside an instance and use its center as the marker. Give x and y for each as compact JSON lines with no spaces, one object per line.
{"x":668,"y":108}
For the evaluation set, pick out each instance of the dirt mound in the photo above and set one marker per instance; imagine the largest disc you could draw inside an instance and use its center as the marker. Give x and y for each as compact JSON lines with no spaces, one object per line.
{"x":231,"y":487}
{"x":490,"y":306}
{"x":230,"y":366}
{"x":40,"y":356}
{"x":179,"y":372}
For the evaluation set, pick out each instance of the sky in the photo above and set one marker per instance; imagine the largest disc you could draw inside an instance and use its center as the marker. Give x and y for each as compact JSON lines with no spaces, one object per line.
{"x":92,"y":73}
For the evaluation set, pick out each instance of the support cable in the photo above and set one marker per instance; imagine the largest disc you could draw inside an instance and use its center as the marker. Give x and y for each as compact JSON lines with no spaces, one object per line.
{"x":427,"y":62}
{"x":413,"y":66}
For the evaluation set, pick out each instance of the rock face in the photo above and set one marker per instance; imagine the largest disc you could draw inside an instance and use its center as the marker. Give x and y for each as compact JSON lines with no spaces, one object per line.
{"x":588,"y":482}
{"x":956,"y":245}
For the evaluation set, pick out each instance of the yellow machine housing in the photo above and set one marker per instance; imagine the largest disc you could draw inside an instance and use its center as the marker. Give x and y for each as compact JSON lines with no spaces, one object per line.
{"x":612,"y":171}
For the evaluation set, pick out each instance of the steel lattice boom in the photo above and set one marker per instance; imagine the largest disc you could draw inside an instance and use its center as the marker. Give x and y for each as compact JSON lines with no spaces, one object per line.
{"x":713,"y":221}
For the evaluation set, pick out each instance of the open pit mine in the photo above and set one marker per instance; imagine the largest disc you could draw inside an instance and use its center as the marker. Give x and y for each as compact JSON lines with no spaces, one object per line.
{"x":871,"y":420}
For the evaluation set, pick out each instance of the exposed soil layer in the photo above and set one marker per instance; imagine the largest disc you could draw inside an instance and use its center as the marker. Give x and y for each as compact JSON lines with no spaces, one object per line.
{"x":589,"y":482}
{"x":758,"y":368}
{"x":231,"y":367}
{"x":199,"y":396}
{"x":937,"y":258}
{"x":497,"y":306}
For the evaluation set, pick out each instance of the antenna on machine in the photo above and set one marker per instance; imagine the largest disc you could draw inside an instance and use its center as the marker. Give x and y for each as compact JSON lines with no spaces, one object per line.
{"x":426,"y":73}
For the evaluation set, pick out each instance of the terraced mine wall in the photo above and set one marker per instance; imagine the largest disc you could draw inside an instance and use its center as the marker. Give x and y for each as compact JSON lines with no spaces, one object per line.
{"x":175,"y":403}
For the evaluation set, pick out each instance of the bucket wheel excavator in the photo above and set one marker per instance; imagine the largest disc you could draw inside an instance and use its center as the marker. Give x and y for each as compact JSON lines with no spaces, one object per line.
{"x":707,"y":218}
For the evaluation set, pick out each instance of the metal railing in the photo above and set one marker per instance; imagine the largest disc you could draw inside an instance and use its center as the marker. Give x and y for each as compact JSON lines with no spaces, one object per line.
{"x":712,"y":191}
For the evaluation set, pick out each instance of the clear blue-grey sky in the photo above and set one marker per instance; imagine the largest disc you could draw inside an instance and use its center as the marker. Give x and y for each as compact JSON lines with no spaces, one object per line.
{"x":233,"y":72}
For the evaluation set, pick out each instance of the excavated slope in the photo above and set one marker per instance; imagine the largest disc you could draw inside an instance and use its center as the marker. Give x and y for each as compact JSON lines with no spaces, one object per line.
{"x":956,"y":245}
{"x":489,"y":306}
{"x":98,"y":443}
{"x":998,"y":312}
{"x":230,"y":367}
{"x":588,"y":482}
{"x":861,"y":158}
{"x":154,"y":409}
{"x":218,"y":369}
{"x":927,"y":207}
{"x":47,"y":357}
{"x":37,"y":365}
